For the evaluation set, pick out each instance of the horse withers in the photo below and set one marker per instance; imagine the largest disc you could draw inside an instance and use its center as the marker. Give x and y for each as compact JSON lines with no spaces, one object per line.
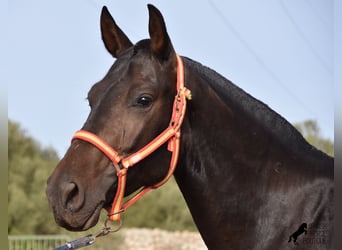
{"x":248,"y":177}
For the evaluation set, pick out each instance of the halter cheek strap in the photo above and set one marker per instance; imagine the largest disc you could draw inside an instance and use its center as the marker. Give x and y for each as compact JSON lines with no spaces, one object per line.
{"x":171,"y":135}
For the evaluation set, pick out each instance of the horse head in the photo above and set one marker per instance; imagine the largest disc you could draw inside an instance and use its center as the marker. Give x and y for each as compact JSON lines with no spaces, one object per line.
{"x":130,"y":106}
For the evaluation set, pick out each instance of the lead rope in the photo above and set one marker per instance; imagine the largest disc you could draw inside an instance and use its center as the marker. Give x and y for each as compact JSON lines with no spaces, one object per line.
{"x":89,"y":239}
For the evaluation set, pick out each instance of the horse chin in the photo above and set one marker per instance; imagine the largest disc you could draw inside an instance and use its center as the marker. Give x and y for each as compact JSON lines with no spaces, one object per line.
{"x":72,"y":222}
{"x":93,"y":219}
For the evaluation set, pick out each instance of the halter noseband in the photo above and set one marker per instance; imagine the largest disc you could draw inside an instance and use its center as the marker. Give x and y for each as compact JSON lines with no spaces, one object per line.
{"x":171,"y":135}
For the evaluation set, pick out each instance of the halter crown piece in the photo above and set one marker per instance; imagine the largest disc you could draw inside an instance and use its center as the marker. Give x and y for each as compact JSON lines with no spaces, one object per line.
{"x":171,"y":135}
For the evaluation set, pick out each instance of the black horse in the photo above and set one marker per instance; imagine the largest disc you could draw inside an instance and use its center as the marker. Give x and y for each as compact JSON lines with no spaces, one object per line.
{"x":247,"y":175}
{"x":303,"y":229}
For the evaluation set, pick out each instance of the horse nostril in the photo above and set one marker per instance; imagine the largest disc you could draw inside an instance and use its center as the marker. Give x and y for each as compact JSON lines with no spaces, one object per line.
{"x":72,"y":197}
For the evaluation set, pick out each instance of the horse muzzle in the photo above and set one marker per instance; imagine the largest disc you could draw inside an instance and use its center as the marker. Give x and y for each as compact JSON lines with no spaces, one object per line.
{"x":68,"y":203}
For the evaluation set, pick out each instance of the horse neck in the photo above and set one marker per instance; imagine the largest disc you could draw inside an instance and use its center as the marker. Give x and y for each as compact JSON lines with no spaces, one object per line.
{"x":227,"y":153}
{"x":224,"y":122}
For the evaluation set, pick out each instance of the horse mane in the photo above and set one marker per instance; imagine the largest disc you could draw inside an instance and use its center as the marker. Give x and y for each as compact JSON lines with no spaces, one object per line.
{"x":286,"y":134}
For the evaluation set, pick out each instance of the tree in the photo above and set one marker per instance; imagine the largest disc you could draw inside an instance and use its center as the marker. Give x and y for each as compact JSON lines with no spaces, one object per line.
{"x":311,"y":132}
{"x":163,"y":208}
{"x":29,"y":166}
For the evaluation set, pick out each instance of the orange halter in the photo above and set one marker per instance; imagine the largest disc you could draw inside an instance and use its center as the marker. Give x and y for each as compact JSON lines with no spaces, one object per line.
{"x":171,"y":135}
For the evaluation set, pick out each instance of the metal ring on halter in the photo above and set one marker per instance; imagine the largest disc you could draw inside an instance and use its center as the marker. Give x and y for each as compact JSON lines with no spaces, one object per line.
{"x":109,"y":228}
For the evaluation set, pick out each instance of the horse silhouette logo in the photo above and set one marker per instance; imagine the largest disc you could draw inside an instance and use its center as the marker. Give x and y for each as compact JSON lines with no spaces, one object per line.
{"x":302,"y":229}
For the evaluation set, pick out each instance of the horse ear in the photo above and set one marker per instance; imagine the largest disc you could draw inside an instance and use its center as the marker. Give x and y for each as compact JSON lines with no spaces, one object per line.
{"x":113,"y":37}
{"x":160,"y":42}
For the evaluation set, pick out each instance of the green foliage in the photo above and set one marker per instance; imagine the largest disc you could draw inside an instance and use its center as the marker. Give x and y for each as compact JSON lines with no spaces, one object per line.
{"x":29,"y":166}
{"x":311,"y":132}
{"x":164,"y":208}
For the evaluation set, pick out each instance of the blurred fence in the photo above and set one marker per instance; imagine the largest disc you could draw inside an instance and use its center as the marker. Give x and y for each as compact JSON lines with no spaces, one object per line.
{"x":36,"y":242}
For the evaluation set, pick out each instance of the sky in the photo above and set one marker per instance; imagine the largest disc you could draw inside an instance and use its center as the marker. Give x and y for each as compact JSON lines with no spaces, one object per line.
{"x":279,"y":51}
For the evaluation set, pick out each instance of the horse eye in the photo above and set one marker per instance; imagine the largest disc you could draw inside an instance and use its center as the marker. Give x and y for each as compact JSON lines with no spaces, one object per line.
{"x":144,"y":101}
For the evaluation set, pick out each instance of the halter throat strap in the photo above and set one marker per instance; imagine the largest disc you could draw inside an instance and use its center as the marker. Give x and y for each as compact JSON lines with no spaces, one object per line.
{"x":171,"y":135}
